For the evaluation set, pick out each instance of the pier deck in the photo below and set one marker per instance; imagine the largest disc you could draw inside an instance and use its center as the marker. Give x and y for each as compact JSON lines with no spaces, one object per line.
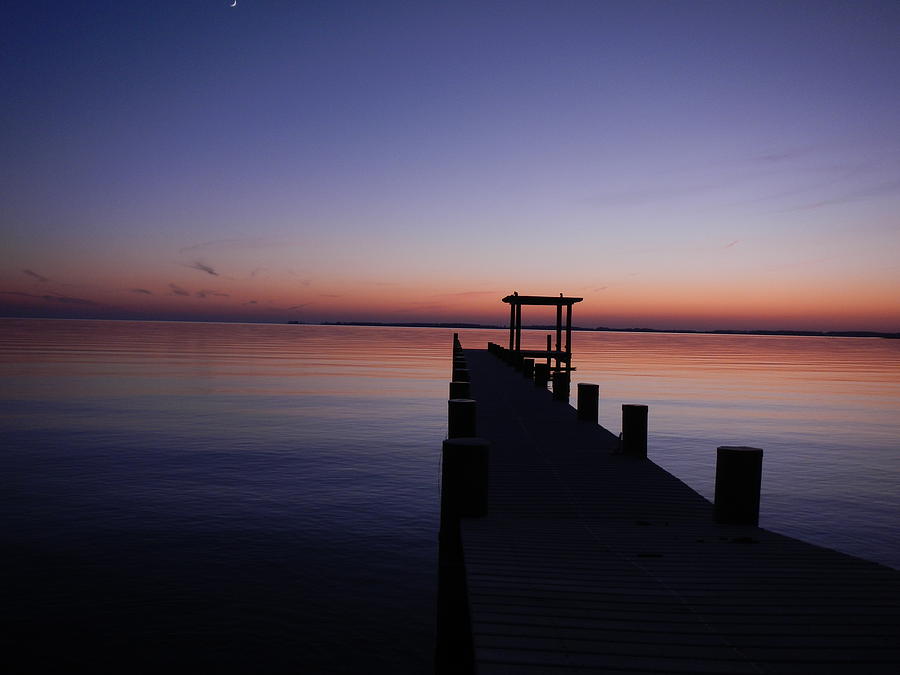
{"x":591,"y":561}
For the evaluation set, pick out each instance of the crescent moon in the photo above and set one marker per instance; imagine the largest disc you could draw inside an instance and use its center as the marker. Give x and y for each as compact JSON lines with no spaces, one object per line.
{"x":234,"y":4}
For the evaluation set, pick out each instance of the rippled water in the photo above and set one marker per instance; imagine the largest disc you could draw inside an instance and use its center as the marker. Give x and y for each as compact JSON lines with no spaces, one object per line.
{"x":248,"y":498}
{"x":263,"y":498}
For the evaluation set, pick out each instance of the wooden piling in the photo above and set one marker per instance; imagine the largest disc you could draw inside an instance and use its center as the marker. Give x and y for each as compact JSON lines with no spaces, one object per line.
{"x":541,"y":375}
{"x":460,"y":418}
{"x":464,"y":494}
{"x":561,"y":384}
{"x":634,"y":430}
{"x":460,"y":374}
{"x":460,"y":390}
{"x":464,"y":477}
{"x":528,"y":368}
{"x":738,"y":480}
{"x":588,"y":401}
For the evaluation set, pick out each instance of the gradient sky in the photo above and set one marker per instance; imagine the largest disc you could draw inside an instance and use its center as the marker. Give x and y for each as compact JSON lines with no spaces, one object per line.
{"x":677,"y":164}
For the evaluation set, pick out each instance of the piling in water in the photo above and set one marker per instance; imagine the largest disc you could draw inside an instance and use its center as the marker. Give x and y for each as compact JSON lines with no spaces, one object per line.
{"x":634,"y":430}
{"x":561,"y":385}
{"x":738,"y":480}
{"x":460,"y":374}
{"x":528,"y":368}
{"x":588,"y":401}
{"x":541,"y":375}
{"x":460,"y":418}
{"x":460,"y":390}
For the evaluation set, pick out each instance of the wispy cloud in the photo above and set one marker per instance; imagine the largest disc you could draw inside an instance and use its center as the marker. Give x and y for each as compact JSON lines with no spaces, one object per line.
{"x":305,"y":304}
{"x":330,"y":295}
{"x":178,"y":290}
{"x":870,"y":192}
{"x":61,"y":299}
{"x":731,"y":243}
{"x":233,"y":244}
{"x":34,"y":275}
{"x":251,"y":302}
{"x":206,"y":293}
{"x":68,"y":300}
{"x":141,"y":291}
{"x":197,"y":265}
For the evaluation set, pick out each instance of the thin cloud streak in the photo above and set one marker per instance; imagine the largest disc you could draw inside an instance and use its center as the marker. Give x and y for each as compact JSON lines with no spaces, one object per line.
{"x":37,"y":277}
{"x":882,"y":189}
{"x":197,"y":265}
{"x":233,"y":244}
{"x":61,"y":299}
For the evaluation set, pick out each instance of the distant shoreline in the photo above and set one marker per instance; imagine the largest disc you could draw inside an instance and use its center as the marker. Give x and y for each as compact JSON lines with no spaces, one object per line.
{"x":460,"y":324}
{"x":425,"y":324}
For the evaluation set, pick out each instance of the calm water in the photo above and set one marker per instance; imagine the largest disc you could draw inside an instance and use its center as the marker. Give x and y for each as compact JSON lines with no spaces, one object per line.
{"x":263,"y":498}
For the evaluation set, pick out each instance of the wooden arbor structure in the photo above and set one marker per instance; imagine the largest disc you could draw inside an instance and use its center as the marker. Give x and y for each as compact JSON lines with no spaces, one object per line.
{"x":563,"y":353}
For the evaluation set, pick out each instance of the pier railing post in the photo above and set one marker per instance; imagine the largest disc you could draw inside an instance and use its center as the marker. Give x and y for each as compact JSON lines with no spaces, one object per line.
{"x":464,"y":493}
{"x":541,"y":375}
{"x":738,"y":480}
{"x":460,"y":390}
{"x":528,"y":368}
{"x":460,"y":418}
{"x":634,"y":430}
{"x":588,"y":401}
{"x":561,"y":385}
{"x":460,"y":374}
{"x":464,"y":477}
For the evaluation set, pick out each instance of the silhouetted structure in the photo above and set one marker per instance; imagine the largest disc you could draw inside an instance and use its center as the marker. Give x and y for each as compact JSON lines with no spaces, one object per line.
{"x":560,"y":355}
{"x":564,"y":550}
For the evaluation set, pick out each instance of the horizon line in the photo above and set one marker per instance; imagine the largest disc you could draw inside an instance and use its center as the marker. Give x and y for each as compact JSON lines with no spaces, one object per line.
{"x":481,"y":326}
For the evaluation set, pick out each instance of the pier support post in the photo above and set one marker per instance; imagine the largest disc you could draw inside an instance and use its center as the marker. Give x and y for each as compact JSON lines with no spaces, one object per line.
{"x":634,"y":430}
{"x":460,"y":418}
{"x":460,"y":390}
{"x":588,"y":401}
{"x":528,"y":368}
{"x":560,"y":385}
{"x":464,"y":492}
{"x":738,"y":480}
{"x":541,"y":375}
{"x":460,"y":374}
{"x":464,"y":478}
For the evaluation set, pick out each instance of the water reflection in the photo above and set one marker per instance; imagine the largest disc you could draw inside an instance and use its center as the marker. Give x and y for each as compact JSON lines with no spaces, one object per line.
{"x":307,"y":457}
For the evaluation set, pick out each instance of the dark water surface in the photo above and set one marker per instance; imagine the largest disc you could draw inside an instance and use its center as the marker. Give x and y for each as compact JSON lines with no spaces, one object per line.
{"x":247,"y":498}
{"x":264,"y":498}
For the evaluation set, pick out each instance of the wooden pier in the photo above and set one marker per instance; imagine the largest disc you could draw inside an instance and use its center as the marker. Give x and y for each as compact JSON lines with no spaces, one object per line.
{"x":588,"y":561}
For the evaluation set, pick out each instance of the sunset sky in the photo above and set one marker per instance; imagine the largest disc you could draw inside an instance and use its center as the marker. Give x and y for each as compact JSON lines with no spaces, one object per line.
{"x":677,"y":164}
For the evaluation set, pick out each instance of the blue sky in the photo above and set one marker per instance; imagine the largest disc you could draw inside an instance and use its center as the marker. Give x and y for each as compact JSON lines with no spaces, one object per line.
{"x":689,"y":164}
